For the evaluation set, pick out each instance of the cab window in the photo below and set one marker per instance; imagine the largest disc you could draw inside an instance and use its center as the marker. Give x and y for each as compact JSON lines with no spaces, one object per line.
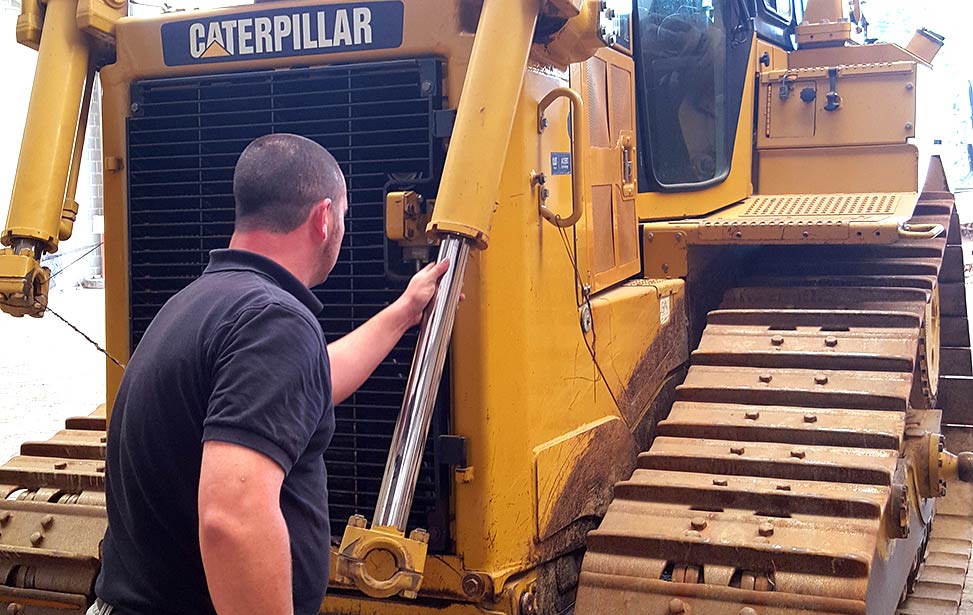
{"x":691,"y":60}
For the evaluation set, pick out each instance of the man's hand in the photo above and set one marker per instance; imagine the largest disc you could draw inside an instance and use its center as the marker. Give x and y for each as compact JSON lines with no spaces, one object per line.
{"x":355,"y":356}
{"x":422,"y":287}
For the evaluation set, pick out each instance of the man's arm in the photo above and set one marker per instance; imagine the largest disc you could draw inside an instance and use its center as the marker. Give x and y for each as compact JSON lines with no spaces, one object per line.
{"x":355,"y":356}
{"x":242,"y":535}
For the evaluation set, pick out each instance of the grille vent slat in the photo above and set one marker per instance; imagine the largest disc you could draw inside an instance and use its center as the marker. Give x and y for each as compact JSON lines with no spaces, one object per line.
{"x":376,"y":119}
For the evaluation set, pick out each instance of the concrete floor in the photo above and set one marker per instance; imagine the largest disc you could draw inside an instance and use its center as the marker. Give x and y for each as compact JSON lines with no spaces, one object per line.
{"x":47,"y":371}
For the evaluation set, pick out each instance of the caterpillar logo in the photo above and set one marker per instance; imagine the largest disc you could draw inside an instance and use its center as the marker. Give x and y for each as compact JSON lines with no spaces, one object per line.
{"x":284,"y":33}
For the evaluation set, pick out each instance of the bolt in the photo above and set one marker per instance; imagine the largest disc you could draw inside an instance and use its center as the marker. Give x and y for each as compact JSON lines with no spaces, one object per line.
{"x":736,"y":450}
{"x":544,"y":123}
{"x":720,"y":482}
{"x":36,"y":538}
{"x":677,"y":606}
{"x":541,"y":179}
{"x":528,"y":604}
{"x":60,"y":465}
{"x":473,"y":585}
{"x":134,"y":107}
{"x":777,"y":340}
{"x":765,"y":529}
{"x":820,"y":379}
{"x":679,"y":237}
{"x":419,"y":535}
{"x":698,"y":523}
{"x":908,"y":125}
{"x":765,"y":377}
{"x":909,"y":86}
{"x":830,"y":341}
{"x":747,"y":611}
{"x":810,"y":418}
{"x":357,"y":521}
{"x":15,"y":608}
{"x":47,"y":522}
{"x":805,"y":234}
{"x":798,"y":454}
{"x":545,"y":193}
{"x":665,"y":267}
{"x":753,"y":415}
{"x":738,"y":235}
{"x":426,"y":87}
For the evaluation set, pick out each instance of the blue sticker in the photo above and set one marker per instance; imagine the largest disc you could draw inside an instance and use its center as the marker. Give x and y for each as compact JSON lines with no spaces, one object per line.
{"x":560,"y":163}
{"x":281,"y":33}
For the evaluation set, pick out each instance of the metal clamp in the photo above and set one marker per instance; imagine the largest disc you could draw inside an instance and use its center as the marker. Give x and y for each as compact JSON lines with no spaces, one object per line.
{"x":579,"y":145}
{"x":921,"y":231}
{"x":408,"y":557}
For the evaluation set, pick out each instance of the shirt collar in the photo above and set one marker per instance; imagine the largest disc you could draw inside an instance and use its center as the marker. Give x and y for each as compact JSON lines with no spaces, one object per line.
{"x":243,"y":260}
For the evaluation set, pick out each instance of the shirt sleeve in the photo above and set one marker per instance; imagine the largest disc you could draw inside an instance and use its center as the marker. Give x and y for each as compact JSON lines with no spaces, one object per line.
{"x":271,"y":384}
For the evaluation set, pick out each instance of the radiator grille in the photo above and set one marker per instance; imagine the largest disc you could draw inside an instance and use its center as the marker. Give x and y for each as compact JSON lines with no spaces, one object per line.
{"x":377,"y":120}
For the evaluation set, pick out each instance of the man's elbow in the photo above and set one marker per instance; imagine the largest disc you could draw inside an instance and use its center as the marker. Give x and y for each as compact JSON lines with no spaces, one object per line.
{"x":221,"y":527}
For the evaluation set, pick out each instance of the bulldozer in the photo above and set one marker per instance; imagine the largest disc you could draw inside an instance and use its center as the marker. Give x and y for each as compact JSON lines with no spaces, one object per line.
{"x":714,"y":351}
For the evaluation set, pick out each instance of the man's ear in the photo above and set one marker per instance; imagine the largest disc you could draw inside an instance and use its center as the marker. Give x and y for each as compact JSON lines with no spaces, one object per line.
{"x":320,"y":219}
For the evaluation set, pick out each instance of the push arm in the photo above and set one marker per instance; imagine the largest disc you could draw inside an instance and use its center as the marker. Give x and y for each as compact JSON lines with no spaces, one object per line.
{"x":42,"y":205}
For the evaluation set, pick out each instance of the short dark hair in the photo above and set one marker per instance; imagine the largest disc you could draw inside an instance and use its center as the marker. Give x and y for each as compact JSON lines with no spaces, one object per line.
{"x":279,"y":177}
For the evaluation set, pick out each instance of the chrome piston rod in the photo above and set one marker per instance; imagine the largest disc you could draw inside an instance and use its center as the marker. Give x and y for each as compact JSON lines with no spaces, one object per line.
{"x":412,"y":427}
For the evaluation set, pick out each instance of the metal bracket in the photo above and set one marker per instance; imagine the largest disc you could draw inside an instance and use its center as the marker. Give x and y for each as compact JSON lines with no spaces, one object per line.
{"x":443,"y":122}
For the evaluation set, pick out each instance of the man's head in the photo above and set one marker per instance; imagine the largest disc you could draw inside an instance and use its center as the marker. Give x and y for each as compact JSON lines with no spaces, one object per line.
{"x":290,"y":186}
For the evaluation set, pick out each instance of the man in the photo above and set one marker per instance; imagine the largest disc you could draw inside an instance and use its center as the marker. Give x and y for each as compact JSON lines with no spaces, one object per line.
{"x":217,"y":495}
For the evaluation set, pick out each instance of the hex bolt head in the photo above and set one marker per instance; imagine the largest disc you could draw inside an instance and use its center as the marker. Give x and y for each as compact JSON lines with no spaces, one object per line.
{"x":753,"y":415}
{"x":720,"y":482}
{"x":473,"y":585}
{"x":677,"y":606}
{"x":47,"y":522}
{"x":831,"y":341}
{"x":909,"y":86}
{"x":698,"y":523}
{"x":820,"y":379}
{"x":419,"y":535}
{"x":777,"y":340}
{"x":798,"y":454}
{"x":737,"y":450}
{"x":765,"y":529}
{"x":528,"y":604}
{"x":765,"y":377}
{"x":36,"y":538}
{"x":357,"y":521}
{"x":810,"y":418}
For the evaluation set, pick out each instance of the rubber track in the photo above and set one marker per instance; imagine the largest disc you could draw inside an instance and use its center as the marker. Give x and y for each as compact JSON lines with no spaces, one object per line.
{"x":766,"y":489}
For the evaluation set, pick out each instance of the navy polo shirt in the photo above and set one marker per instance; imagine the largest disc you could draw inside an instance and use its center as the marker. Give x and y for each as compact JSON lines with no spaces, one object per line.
{"x":237,"y":356}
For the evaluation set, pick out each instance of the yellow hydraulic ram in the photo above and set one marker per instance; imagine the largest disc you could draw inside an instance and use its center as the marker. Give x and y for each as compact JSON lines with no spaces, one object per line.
{"x":461,"y":220}
{"x":42,"y":206}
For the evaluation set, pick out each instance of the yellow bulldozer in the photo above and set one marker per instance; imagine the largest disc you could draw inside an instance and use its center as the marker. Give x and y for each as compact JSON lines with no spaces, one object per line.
{"x":714,"y":349}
